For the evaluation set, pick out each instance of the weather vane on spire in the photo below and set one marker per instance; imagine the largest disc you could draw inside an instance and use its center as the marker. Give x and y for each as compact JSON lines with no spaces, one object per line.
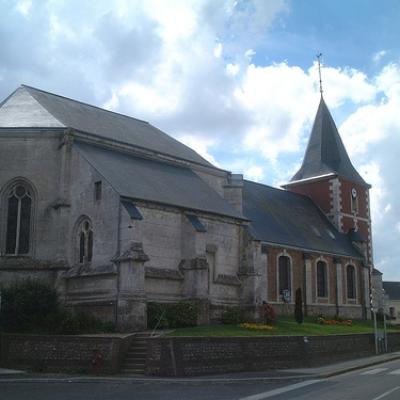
{"x":319,"y":56}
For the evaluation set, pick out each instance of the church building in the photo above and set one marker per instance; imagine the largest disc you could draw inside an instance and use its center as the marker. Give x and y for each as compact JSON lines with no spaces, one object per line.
{"x":115,"y":213}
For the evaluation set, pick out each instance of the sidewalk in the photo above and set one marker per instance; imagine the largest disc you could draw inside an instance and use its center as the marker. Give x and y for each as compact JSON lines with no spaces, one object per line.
{"x":12,"y":376}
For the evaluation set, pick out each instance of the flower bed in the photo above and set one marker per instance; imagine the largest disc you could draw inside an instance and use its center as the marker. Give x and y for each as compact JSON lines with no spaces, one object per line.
{"x":345,"y":322}
{"x":259,"y":327}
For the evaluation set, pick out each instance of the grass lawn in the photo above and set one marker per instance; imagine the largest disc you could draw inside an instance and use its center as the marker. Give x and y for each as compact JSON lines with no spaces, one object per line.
{"x":284,"y":326}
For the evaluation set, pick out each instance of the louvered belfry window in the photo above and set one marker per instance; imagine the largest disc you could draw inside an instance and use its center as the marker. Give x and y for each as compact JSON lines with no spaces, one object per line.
{"x":19,"y":216}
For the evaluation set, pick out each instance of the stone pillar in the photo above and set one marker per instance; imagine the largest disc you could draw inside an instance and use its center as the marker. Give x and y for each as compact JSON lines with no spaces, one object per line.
{"x":131,"y":295}
{"x":308,"y":279}
{"x":62,"y":204}
{"x":339,"y":281}
{"x":338,"y":284}
{"x":253,"y":275}
{"x":195,"y":269}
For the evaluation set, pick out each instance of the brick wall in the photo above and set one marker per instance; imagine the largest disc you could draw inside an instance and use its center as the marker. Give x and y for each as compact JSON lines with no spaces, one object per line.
{"x":186,"y":356}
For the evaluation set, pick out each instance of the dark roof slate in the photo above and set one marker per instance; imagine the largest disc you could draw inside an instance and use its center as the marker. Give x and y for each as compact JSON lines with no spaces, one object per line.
{"x":325,"y":153}
{"x":90,"y":119}
{"x":287,"y":218}
{"x":392,"y":289}
{"x":149,"y":180}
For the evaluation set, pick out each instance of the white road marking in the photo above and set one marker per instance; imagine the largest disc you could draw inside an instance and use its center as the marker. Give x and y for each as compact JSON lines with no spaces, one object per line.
{"x":395,"y":372}
{"x":270,"y":393}
{"x":374,"y":371}
{"x":386,"y":393}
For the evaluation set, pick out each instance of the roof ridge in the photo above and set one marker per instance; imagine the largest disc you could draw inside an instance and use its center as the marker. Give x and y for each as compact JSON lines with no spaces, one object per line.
{"x":277,"y":189}
{"x":85,"y":104}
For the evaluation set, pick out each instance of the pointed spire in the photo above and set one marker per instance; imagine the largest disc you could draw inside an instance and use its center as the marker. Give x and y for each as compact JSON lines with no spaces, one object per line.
{"x":325,"y":153}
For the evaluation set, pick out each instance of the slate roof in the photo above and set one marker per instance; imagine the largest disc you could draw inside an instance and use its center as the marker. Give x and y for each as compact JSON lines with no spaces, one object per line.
{"x":392,"y":289}
{"x":325,"y":153}
{"x":144,"y":179}
{"x":287,"y":218}
{"x":58,"y":111}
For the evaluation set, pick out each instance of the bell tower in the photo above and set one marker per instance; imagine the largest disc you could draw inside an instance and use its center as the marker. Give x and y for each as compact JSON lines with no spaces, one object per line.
{"x":328,"y":177}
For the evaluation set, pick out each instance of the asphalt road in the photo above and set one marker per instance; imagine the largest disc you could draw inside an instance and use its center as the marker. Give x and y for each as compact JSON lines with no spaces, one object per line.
{"x":380,"y":382}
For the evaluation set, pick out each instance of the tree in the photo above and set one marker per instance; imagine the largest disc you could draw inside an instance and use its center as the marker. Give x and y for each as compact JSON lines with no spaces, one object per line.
{"x":298,"y":308}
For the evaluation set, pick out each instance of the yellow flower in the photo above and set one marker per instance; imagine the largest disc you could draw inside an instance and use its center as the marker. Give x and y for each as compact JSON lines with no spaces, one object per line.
{"x":260,"y":327}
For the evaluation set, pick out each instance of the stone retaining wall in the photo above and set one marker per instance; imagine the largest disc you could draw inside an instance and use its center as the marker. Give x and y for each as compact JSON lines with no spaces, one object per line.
{"x":61,"y":353}
{"x":186,"y":356}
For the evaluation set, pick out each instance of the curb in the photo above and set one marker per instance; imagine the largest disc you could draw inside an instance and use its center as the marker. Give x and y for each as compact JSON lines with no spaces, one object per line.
{"x":155,"y":380}
{"x":357,"y":367}
{"x":128,"y":380}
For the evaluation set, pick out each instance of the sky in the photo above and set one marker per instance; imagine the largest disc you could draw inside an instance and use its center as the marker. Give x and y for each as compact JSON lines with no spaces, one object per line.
{"x":235,"y":80}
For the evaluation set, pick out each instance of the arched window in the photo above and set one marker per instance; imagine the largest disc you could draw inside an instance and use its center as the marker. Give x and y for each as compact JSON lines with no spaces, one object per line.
{"x":351,"y":282}
{"x":322,"y":279}
{"x":284,"y":276}
{"x":85,"y":241}
{"x":19,"y":216}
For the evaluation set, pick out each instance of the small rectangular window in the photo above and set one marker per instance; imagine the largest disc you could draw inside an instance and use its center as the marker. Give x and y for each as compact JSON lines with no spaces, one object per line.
{"x":97,"y":190}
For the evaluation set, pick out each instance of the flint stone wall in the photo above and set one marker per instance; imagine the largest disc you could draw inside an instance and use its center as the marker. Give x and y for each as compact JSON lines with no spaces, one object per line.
{"x":187,"y":356}
{"x":62,"y":353}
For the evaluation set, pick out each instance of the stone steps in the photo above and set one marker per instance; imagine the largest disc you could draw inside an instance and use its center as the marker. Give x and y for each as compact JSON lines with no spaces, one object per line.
{"x":135,"y":357}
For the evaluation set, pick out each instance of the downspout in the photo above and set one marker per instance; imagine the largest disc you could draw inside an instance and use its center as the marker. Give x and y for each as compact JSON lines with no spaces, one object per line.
{"x":305,"y":286}
{"x":336,"y":289}
{"x":117,"y":256}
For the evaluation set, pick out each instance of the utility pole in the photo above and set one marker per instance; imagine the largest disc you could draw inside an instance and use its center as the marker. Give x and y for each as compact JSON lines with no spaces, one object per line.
{"x":373,"y":310}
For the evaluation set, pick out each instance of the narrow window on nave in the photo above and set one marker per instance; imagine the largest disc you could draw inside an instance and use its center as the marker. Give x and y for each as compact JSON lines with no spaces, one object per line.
{"x":19,"y":216}
{"x":284,"y":277}
{"x":85,"y":241}
{"x":322,"y":279}
{"x":351,"y":282}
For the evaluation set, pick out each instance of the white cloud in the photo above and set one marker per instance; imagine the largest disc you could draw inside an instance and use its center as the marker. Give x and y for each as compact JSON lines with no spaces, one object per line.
{"x":376,"y":57}
{"x":254,"y":173}
{"x":249,"y":54}
{"x":218,"y":50}
{"x":24,"y":7}
{"x":201,"y":146}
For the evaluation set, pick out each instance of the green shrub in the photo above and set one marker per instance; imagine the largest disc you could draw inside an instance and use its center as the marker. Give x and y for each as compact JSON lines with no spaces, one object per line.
{"x":298,"y":307}
{"x":26,"y":306}
{"x":177,"y":315}
{"x":232,"y":316}
{"x":33,"y":307}
{"x":182,"y":314}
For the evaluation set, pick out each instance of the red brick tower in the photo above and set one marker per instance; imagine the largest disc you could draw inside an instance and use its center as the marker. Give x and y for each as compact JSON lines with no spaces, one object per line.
{"x":329,"y":178}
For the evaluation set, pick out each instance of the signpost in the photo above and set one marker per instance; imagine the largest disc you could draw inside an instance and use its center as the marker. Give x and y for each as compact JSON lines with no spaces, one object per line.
{"x":374,"y":308}
{"x":379,"y":301}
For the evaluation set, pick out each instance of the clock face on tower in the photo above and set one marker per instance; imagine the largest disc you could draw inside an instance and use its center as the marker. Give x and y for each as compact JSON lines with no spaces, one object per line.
{"x":354,"y":193}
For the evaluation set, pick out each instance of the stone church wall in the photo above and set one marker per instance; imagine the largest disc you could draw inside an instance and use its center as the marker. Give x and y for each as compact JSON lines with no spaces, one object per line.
{"x":103,"y":213}
{"x":34,"y":158}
